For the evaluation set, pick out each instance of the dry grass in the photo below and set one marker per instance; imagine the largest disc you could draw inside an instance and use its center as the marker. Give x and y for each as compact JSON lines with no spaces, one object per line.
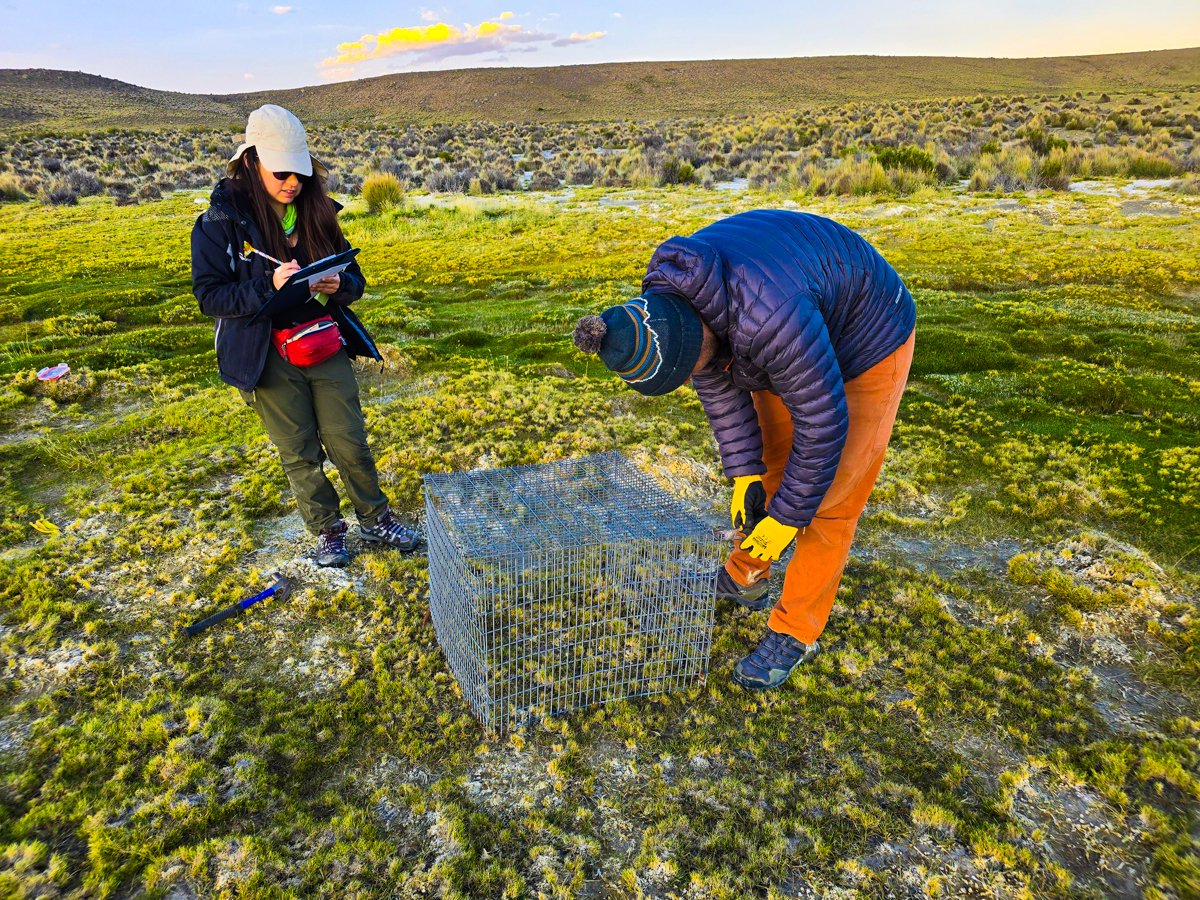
{"x":993,"y":142}
{"x":382,"y":191}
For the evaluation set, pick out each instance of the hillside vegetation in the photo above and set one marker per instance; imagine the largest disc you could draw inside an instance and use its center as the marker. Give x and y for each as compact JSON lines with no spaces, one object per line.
{"x":987,"y":141}
{"x":37,"y":98}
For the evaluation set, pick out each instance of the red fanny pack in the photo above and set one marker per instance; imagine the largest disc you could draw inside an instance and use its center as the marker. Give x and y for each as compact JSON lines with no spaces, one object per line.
{"x":308,"y":344}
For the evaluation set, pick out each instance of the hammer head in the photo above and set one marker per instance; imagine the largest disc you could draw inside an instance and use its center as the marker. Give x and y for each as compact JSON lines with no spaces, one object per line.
{"x":281,"y":587}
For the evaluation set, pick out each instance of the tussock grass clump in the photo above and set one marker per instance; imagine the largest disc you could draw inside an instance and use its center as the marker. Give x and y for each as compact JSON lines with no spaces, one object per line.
{"x":382,"y":191}
{"x":1009,"y":170}
{"x":10,"y":188}
{"x":57,"y":192}
{"x":1146,"y":165}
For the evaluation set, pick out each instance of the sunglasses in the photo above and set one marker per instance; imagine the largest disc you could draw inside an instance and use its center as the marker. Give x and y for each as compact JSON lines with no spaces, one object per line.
{"x":284,"y":176}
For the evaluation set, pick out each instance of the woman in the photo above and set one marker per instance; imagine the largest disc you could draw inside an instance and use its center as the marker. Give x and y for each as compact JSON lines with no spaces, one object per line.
{"x":308,"y":399}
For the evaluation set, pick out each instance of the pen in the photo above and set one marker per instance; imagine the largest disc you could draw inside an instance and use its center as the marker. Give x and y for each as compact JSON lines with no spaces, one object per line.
{"x":246,"y":248}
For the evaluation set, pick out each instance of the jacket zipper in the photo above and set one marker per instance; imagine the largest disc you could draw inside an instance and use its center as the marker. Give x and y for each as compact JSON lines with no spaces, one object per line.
{"x":312,"y":329}
{"x":370,"y":343}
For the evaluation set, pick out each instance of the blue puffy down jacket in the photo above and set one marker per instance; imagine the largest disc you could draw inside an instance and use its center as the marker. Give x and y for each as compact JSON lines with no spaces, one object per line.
{"x":801,"y":305}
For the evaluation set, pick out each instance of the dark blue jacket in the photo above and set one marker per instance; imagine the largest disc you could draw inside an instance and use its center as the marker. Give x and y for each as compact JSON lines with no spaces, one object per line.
{"x":231,"y":288}
{"x":801,"y":305}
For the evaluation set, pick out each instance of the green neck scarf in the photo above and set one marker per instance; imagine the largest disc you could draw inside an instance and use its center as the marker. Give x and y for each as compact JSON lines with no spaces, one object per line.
{"x":289,"y":218}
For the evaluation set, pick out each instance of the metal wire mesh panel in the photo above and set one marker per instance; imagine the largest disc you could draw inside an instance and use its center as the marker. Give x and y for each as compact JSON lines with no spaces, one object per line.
{"x":554,"y":587}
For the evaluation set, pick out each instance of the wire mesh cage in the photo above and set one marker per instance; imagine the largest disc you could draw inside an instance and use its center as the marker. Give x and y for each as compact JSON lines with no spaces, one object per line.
{"x":553,"y":587}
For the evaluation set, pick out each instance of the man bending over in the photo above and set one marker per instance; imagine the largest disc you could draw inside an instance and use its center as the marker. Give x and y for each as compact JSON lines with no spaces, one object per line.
{"x":798,"y":337}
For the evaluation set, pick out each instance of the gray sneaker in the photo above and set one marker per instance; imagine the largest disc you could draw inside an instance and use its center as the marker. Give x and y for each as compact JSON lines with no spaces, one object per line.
{"x":390,"y":533}
{"x":755,"y":597}
{"x":331,"y":547}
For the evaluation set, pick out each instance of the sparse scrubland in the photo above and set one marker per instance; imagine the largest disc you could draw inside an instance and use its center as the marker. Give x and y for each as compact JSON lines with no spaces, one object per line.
{"x":1007,"y":705}
{"x":990,"y":143}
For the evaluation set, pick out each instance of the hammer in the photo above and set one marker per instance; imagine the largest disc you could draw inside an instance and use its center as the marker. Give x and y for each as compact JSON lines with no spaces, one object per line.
{"x":280,"y":589}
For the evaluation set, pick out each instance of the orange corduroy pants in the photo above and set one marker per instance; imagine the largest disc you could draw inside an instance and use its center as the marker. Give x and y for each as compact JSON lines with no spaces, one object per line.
{"x":813,"y":575}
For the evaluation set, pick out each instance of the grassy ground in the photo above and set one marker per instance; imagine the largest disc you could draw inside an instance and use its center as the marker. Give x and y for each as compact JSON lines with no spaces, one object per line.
{"x":1006,"y":707}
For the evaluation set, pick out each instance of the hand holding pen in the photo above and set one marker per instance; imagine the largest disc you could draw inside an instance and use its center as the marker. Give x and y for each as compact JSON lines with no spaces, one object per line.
{"x":284,"y":270}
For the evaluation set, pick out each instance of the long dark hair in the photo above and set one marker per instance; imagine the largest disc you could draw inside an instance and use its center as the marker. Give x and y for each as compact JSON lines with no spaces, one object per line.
{"x":316,"y":219}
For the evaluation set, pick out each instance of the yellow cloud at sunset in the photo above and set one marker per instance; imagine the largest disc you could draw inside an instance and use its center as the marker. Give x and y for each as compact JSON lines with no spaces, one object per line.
{"x":430,"y":43}
{"x":490,"y":35}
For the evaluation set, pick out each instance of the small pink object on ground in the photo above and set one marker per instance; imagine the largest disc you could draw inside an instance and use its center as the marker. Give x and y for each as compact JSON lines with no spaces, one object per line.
{"x":53,"y":373}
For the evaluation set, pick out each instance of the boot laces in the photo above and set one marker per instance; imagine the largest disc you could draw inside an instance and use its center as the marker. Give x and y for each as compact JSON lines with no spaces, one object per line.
{"x":389,"y":527}
{"x":333,"y":539}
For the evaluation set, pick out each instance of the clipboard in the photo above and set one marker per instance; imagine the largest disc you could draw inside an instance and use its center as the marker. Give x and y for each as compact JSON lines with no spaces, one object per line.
{"x":297,"y":289}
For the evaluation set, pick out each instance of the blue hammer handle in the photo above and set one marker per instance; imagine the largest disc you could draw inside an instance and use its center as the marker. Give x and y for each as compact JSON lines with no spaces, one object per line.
{"x":236,"y":609}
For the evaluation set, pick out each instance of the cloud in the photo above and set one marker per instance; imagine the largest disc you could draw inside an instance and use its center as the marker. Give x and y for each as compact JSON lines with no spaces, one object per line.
{"x":618,"y":16}
{"x":338,"y":73}
{"x":248,"y":75}
{"x":431,"y":43}
{"x":577,"y":38}
{"x":281,"y":10}
{"x":505,"y":15}
{"x":428,"y":15}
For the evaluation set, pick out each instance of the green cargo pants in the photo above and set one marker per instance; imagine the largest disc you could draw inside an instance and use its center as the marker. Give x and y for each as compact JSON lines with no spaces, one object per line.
{"x":308,"y":411}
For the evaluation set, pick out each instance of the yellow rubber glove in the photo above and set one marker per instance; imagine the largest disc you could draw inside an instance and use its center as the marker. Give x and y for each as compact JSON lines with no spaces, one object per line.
{"x":769,"y":539}
{"x":749,"y":502}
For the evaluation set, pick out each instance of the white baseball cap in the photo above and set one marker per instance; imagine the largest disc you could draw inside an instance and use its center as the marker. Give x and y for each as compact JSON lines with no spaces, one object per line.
{"x":280,"y":141}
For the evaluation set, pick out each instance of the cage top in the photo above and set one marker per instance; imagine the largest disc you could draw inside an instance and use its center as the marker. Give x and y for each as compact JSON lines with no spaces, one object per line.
{"x":560,"y":505}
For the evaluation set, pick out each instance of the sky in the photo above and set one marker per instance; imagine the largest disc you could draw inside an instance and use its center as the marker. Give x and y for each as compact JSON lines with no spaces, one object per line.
{"x":215,"y":46}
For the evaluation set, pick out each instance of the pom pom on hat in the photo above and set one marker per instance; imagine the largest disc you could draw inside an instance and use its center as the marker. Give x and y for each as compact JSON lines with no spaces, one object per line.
{"x":652,"y":342}
{"x":589,"y":334}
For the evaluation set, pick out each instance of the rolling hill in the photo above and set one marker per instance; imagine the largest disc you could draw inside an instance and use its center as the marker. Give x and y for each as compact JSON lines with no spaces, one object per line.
{"x":51,"y":99}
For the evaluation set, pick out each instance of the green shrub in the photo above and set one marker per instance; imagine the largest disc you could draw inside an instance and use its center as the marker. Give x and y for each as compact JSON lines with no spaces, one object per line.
{"x":1042,"y":143}
{"x":382,"y":191}
{"x":1052,"y":173}
{"x":1145,"y":165}
{"x":677,"y":171}
{"x":912,"y":158}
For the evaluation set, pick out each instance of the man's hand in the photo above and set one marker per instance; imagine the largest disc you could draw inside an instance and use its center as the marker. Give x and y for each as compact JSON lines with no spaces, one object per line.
{"x":330,"y":284}
{"x":284,"y":272}
{"x":749,"y":502}
{"x":769,"y":539}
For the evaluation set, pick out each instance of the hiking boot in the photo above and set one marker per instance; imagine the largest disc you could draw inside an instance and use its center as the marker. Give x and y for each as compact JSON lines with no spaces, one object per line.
{"x":390,"y":533}
{"x":773,"y":660}
{"x":755,"y":597}
{"x":331,"y":547}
